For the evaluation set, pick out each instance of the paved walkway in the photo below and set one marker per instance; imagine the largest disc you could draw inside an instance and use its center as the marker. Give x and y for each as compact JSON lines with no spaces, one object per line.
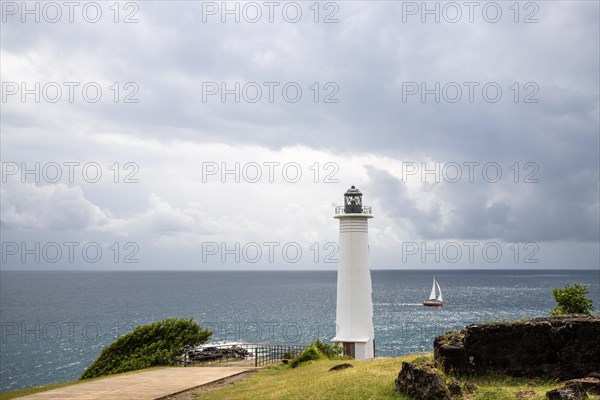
{"x":147,"y":385}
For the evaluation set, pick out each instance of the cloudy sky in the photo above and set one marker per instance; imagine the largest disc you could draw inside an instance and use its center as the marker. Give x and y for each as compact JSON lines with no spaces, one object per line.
{"x":209,"y":135}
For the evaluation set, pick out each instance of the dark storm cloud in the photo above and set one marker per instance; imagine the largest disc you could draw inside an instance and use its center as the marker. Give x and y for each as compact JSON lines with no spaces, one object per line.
{"x":370,"y":55}
{"x":561,"y":209}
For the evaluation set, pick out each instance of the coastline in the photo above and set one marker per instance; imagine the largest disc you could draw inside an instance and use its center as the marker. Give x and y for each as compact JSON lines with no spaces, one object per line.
{"x":367,"y":379}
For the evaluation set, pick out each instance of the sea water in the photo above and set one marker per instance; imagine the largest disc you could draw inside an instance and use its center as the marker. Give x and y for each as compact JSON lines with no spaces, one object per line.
{"x":54,"y":324}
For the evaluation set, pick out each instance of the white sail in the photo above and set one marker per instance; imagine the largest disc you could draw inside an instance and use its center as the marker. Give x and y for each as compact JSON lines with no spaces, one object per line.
{"x":439,"y":297}
{"x":432,"y":294}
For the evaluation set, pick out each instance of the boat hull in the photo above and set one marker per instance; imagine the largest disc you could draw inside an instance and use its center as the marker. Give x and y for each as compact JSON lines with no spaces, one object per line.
{"x":433,"y":303}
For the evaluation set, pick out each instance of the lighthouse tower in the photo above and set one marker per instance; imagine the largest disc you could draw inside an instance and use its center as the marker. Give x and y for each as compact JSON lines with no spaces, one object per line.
{"x":354,"y":311}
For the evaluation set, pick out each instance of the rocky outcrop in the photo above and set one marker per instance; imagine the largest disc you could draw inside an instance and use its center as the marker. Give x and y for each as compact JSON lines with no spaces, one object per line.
{"x":216,"y":353}
{"x":422,"y":382}
{"x":556,"y":347}
{"x":576,"y":389}
{"x":590,"y":385}
{"x":566,"y":393}
{"x":341,"y":366}
{"x":454,"y":388}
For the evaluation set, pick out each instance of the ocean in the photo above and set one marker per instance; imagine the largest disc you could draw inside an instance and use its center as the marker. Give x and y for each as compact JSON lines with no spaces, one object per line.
{"x":54,"y":324}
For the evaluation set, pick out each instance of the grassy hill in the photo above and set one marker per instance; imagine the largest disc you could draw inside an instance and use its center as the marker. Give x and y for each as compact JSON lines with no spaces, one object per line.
{"x":367,"y":380}
{"x":372,"y":379}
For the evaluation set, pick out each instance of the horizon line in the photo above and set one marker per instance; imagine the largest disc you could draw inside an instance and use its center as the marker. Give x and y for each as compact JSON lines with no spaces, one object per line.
{"x":297,"y":270}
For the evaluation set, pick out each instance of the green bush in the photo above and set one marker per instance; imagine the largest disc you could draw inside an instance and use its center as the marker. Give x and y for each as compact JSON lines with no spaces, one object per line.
{"x":159,"y":343}
{"x":317,"y":351}
{"x":328,"y":350}
{"x":572,"y":300}
{"x":310,"y":353}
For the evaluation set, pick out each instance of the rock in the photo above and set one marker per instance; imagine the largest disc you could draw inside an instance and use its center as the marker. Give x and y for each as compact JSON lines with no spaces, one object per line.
{"x":575,"y":389}
{"x":454,"y":388}
{"x":470,"y":388}
{"x":553,"y":348}
{"x":341,"y":366}
{"x":217,"y":353}
{"x":566,"y":393}
{"x":421,"y":382}
{"x":589,"y":385}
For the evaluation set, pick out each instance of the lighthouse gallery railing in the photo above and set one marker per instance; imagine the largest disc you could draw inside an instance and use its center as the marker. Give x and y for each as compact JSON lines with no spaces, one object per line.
{"x":365,"y":210}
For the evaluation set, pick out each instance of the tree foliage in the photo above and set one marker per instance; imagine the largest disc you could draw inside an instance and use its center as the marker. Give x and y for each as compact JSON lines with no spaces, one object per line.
{"x":572,"y":300}
{"x":158,"y":343}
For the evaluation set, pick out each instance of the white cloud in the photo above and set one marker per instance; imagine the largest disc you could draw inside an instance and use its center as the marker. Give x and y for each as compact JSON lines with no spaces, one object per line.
{"x":28,"y":206}
{"x":369,"y":53}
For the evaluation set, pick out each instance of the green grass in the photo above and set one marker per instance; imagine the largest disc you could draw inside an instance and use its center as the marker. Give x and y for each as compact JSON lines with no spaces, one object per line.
{"x":372,"y":379}
{"x":499,"y":387}
{"x":34,"y":390}
{"x":367,"y":380}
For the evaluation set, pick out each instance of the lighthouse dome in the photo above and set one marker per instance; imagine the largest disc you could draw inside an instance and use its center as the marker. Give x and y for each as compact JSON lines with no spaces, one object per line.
{"x":353,"y":201}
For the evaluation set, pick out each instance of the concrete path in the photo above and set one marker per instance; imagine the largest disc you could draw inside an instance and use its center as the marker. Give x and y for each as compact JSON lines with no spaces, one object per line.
{"x":147,"y":385}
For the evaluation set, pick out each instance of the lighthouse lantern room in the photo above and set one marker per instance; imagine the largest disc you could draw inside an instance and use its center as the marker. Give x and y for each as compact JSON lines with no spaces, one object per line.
{"x":354,"y":307}
{"x":353,"y":201}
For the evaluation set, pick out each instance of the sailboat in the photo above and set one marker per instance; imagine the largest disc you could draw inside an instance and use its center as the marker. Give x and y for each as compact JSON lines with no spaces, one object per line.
{"x":435,"y":301}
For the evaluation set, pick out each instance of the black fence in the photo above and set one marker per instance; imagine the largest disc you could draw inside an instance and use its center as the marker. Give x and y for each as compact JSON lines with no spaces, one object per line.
{"x":260,"y":353}
{"x":267,"y":354}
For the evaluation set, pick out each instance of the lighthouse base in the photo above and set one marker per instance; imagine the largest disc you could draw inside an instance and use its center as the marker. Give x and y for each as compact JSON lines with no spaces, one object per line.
{"x":363,"y":349}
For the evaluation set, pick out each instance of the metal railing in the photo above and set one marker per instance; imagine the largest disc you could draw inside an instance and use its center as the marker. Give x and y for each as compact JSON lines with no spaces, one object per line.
{"x":260,"y":353}
{"x":365,"y":210}
{"x":268,"y":354}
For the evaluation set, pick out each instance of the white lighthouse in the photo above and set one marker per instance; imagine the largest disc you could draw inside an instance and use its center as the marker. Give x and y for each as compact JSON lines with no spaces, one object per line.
{"x":354,"y":311}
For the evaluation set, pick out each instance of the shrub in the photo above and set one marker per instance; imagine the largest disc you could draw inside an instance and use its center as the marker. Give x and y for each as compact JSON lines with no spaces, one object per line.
{"x":316,"y":351}
{"x":328,"y":350}
{"x":158,"y":343}
{"x":572,"y":300}
{"x":308,"y":354}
